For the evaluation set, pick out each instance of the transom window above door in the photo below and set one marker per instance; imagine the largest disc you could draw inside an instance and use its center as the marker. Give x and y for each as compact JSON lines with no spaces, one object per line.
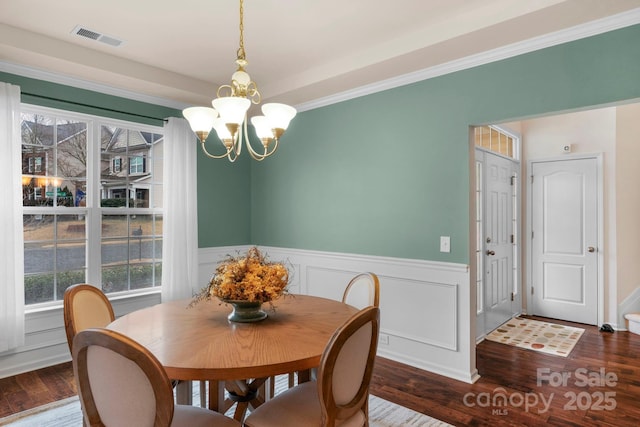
{"x":497,"y":140}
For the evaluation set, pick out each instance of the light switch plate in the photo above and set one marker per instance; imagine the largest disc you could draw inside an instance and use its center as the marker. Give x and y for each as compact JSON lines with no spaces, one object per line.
{"x":445,"y":244}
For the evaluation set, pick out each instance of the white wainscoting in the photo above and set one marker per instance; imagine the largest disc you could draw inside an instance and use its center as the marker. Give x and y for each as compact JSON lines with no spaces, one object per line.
{"x":425,"y":306}
{"x":425,"y":309}
{"x":46,"y":340}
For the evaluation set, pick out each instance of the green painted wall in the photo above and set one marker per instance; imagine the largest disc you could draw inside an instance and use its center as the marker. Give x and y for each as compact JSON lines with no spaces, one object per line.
{"x":224,"y":191}
{"x":388,"y":173}
{"x":385,"y":174}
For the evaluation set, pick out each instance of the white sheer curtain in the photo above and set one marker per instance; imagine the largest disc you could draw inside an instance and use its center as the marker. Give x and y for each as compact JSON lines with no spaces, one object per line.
{"x":12,"y":248}
{"x":180,"y":238}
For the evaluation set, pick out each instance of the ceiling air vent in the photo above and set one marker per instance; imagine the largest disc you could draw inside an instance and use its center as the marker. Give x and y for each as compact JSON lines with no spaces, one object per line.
{"x":94,"y":35}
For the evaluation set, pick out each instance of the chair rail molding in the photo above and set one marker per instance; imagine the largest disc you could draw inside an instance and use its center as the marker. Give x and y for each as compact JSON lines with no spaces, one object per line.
{"x":424,"y":305}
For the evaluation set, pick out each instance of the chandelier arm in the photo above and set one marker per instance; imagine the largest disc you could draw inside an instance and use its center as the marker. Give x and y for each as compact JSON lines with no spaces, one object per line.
{"x":220,"y":92}
{"x":213,"y":156}
{"x":242,"y":132}
{"x":255,"y":155}
{"x":259,"y":157}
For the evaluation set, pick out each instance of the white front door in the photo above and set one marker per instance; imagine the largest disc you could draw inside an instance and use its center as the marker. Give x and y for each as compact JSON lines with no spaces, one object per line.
{"x":564,"y":241}
{"x":498,"y":241}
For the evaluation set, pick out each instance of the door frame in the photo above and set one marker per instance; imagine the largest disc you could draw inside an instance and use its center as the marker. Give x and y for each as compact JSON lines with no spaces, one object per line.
{"x":600,"y":224}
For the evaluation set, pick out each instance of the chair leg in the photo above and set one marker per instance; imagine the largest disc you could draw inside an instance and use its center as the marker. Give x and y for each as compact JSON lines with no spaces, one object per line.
{"x":272,"y":388}
{"x":184,"y":393}
{"x":203,"y":394}
{"x":292,"y":379}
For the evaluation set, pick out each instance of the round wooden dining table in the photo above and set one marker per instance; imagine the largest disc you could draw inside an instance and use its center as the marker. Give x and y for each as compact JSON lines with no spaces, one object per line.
{"x":200,"y":343}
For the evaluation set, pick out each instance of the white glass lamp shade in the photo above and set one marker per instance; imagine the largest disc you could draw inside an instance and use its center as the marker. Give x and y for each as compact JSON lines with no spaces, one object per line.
{"x":221,"y":129}
{"x":200,"y":118}
{"x":263,"y":127}
{"x":278,"y":115}
{"x":232,"y":109}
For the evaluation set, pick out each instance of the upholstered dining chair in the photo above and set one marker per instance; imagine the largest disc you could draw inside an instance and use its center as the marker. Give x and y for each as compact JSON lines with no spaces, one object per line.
{"x":121,"y":383}
{"x":85,"y":306}
{"x":362,"y":291}
{"x":340,"y":394}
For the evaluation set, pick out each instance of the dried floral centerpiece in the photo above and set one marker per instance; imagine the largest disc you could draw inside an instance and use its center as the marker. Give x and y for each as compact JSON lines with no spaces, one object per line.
{"x":246,"y":282}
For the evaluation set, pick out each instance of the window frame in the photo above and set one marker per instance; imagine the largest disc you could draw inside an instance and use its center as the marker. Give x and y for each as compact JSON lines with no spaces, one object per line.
{"x":93,"y":211}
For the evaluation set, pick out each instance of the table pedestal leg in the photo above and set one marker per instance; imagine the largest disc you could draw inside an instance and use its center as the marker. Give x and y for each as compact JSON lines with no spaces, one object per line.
{"x":246,"y":393}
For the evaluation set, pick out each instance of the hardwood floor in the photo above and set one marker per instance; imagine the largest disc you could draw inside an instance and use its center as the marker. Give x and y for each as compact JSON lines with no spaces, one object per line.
{"x":601,"y":386}
{"x":513,"y":372}
{"x":31,"y":389}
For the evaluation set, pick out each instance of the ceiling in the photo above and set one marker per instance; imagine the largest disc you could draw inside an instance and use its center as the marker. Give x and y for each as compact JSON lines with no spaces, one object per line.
{"x":298,"y":51}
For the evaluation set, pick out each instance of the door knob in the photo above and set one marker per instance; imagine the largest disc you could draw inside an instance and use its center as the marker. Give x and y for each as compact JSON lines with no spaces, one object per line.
{"x":591,"y":249}
{"x":491,"y":253}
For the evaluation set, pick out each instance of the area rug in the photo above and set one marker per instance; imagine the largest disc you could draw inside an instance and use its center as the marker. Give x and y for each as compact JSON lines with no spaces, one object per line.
{"x":67,"y":413}
{"x":545,"y":337}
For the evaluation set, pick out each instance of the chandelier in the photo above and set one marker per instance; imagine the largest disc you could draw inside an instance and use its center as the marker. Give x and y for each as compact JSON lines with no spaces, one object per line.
{"x":229,"y":114}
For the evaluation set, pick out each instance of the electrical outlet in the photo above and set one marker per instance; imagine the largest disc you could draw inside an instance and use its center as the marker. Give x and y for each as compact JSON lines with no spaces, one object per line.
{"x":445,"y":244}
{"x":383,"y":339}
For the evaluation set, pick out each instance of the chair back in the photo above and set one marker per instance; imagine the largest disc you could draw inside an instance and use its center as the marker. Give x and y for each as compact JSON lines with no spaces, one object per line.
{"x":119,"y":381}
{"x":346,"y":368}
{"x":85,"y":306}
{"x":363,"y":291}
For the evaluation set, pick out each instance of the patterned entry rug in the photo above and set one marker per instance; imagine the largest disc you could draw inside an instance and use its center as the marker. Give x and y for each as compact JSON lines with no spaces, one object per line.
{"x":545,"y":337}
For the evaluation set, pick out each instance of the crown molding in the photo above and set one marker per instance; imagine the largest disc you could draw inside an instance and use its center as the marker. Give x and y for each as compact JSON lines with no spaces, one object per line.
{"x":578,"y":32}
{"x":37,"y":73}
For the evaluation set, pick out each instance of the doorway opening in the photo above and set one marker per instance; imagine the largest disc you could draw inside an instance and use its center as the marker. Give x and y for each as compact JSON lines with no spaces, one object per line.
{"x":497,"y":222}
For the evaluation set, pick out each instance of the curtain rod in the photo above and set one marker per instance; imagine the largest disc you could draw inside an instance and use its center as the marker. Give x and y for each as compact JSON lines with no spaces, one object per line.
{"x":80,"y":104}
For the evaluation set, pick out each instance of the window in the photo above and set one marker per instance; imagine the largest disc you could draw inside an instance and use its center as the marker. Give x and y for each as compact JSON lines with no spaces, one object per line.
{"x":497,"y":140}
{"x":35,"y":164}
{"x":85,"y":218}
{"x":136,"y":165}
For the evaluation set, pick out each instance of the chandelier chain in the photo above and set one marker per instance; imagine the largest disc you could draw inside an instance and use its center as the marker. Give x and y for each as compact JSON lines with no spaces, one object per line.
{"x":241,"y":52}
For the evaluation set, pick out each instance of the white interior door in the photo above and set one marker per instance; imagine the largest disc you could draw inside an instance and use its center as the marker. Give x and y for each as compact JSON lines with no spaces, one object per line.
{"x":498,"y":241}
{"x":564,"y":243}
